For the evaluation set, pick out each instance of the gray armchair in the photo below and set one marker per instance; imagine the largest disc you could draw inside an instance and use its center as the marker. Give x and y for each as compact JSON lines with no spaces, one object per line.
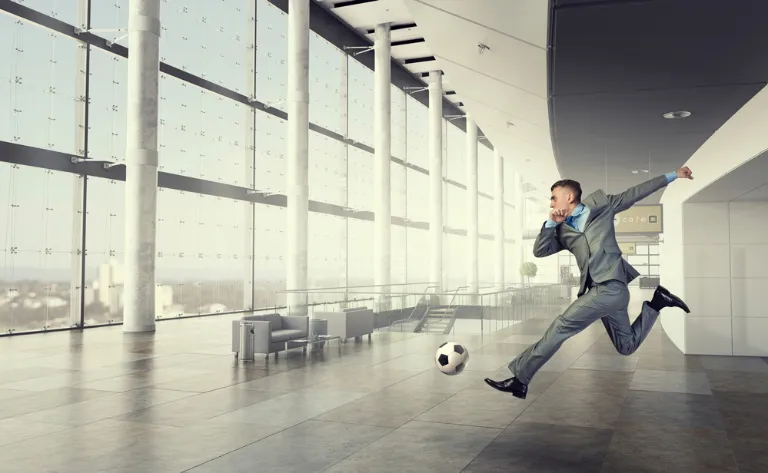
{"x":271,"y":332}
{"x":349,"y":323}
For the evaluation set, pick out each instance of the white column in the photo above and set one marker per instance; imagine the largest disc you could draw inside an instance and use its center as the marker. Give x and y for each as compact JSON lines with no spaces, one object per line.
{"x":141,"y":165}
{"x":498,"y":211}
{"x":382,"y":161}
{"x":436,"y":177}
{"x":298,"y":153}
{"x":473,"y":275}
{"x":519,"y":226}
{"x":248,"y":161}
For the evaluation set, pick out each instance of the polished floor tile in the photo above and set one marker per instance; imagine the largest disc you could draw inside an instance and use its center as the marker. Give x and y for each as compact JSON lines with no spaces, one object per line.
{"x":15,"y":430}
{"x":665,"y":447}
{"x":738,"y":381}
{"x":751,"y":455}
{"x":671,"y":382}
{"x":309,"y":447}
{"x":576,"y":409}
{"x":197,"y":408}
{"x":745,"y":415}
{"x":488,"y":408}
{"x":386,"y":408}
{"x":671,"y":409}
{"x":177,"y":400}
{"x":291,"y":409}
{"x":526,"y":447}
{"x":38,"y":401}
{"x":420,"y":447}
{"x":104,"y":407}
{"x":734,"y":363}
{"x":615,"y":383}
{"x":605,"y":363}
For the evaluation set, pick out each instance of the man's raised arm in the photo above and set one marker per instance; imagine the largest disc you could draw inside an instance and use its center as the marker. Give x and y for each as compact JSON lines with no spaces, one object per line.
{"x":628,"y":198}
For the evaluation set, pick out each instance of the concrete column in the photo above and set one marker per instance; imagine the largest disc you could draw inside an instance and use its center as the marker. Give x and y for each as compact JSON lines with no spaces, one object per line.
{"x":141,"y":165}
{"x":498,"y":212}
{"x":382,"y":162}
{"x":436,"y":177}
{"x":473,"y":258}
{"x":297,"y":188}
{"x":519,"y":226}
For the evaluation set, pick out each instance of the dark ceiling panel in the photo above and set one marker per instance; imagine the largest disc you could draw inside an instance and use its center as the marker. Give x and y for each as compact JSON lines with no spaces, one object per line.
{"x":659,"y":45}
{"x":634,"y":120}
{"x":618,"y":65}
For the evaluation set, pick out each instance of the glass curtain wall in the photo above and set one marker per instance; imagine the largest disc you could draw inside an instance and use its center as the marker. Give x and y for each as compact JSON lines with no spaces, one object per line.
{"x":222,"y":131}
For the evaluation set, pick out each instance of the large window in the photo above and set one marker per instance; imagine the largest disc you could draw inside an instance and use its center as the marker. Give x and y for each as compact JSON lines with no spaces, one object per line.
{"x":37,"y":212}
{"x":38,"y":92}
{"x":222,"y":139}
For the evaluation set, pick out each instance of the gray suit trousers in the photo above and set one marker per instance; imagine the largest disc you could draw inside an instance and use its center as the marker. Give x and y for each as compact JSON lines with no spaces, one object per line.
{"x":607,"y":301}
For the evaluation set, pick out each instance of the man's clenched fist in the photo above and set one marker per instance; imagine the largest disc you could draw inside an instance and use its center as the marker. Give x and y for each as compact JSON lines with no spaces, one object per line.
{"x":558,"y":215}
{"x":684,"y":173}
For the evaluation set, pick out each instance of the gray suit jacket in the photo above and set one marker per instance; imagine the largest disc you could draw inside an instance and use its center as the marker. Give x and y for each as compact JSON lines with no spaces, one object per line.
{"x":596,"y":250}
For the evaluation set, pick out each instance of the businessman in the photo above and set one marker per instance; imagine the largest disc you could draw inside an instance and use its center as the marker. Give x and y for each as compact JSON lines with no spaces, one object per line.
{"x":585,"y":228}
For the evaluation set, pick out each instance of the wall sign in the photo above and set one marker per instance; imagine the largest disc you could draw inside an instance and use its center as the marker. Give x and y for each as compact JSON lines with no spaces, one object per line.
{"x":639,"y":219}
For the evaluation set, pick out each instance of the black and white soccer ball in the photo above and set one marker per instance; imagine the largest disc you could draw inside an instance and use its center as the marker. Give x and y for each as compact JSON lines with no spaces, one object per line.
{"x":451,"y":358}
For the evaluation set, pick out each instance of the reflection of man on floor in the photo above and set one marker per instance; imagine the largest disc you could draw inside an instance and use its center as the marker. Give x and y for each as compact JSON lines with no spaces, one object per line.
{"x":588,"y":233}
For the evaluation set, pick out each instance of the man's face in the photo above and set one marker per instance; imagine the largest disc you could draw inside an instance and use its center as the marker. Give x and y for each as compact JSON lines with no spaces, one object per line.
{"x":561,"y":198}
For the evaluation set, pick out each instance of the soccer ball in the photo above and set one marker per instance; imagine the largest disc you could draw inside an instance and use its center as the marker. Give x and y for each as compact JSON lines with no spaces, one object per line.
{"x":451,"y":358}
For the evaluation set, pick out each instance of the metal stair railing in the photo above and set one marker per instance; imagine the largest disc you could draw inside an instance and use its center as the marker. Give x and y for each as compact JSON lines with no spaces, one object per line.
{"x":410,"y":316}
{"x":425,"y":318}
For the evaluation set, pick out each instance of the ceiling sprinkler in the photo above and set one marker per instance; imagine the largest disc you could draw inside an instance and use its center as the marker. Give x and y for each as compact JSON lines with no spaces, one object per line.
{"x":482,"y":48}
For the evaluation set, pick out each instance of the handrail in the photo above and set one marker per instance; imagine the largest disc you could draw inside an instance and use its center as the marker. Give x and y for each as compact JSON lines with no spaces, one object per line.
{"x":455,"y":293}
{"x":416,"y":306}
{"x":450,"y":304}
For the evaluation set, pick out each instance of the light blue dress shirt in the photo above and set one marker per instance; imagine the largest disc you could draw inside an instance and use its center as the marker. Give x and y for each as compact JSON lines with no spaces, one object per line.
{"x":578,"y":218}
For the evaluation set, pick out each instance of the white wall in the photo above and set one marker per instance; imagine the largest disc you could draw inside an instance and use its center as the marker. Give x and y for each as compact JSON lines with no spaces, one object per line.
{"x":671,"y":258}
{"x":707,"y":276}
{"x":726,"y":253}
{"x":739,"y":140}
{"x":749,"y":280}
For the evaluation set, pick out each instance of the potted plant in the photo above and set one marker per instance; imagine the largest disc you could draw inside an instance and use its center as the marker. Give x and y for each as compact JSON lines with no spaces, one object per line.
{"x":528,"y":270}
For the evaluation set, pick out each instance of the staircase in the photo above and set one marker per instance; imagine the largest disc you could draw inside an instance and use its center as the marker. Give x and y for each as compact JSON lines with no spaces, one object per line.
{"x":437,"y":320}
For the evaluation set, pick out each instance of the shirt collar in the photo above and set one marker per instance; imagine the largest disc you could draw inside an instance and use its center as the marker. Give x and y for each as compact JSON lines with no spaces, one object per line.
{"x":578,"y":210}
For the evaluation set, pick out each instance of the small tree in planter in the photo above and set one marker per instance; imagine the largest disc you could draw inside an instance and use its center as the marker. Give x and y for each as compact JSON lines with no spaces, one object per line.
{"x":529,"y":270}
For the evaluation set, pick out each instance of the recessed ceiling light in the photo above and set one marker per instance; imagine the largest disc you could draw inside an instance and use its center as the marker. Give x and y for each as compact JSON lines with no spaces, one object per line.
{"x":678,"y":114}
{"x":638,"y":171}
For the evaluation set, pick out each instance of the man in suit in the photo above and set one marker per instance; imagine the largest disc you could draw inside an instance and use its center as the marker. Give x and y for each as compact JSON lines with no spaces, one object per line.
{"x":586,"y":230}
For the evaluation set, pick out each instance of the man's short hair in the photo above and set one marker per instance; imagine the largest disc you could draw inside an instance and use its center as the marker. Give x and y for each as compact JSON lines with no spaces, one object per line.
{"x":571,"y":185}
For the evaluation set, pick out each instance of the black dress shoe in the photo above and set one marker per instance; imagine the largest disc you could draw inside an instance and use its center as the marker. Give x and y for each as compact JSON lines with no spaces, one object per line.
{"x":663,"y":298}
{"x":511,"y":385}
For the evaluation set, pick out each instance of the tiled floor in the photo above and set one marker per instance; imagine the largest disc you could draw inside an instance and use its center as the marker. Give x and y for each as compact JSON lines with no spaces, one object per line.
{"x":176,"y":401}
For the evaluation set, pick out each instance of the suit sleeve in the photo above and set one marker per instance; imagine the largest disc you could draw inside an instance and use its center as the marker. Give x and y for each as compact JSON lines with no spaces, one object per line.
{"x":547,"y":243}
{"x":625,"y":200}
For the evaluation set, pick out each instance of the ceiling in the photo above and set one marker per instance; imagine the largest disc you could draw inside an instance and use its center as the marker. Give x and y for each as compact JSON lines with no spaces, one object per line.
{"x":504,"y":88}
{"x":577,"y":88}
{"x":747,"y":183}
{"x":617,"y":66}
